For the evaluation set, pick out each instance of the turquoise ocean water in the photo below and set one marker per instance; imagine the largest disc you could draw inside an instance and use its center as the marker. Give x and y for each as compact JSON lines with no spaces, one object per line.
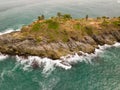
{"x":99,"y":73}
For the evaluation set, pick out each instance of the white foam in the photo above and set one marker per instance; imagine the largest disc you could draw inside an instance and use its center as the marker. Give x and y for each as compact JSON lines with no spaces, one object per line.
{"x":47,"y":64}
{"x":3,"y":57}
{"x":8,"y":31}
{"x":116,"y":44}
{"x":65,"y":62}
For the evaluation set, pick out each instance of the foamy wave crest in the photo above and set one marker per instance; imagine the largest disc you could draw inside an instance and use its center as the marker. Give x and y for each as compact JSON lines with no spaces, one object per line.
{"x":47,"y":64}
{"x":3,"y":57}
{"x":8,"y":31}
{"x":73,"y":59}
{"x":65,"y":62}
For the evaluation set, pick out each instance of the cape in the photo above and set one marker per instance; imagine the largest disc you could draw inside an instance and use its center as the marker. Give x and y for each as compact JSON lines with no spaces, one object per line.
{"x":61,"y":35}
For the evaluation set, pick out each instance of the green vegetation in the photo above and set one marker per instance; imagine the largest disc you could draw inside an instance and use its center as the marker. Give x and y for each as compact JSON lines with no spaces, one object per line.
{"x":116,"y":23}
{"x":67,"y":16}
{"x":63,"y":27}
{"x":104,"y":17}
{"x":64,"y":16}
{"x":59,"y":14}
{"x":98,"y":18}
{"x":36,"y":27}
{"x":77,"y":26}
{"x":52,"y":24}
{"x":42,"y":17}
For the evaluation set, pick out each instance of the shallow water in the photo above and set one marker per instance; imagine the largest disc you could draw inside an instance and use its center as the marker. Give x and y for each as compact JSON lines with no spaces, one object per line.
{"x":100,"y":73}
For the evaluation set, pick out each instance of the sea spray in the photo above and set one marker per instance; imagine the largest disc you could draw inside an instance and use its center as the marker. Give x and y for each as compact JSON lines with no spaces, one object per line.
{"x":3,"y":57}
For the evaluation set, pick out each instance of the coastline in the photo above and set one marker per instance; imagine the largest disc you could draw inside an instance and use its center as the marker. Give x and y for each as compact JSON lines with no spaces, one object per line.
{"x":60,"y":36}
{"x":65,"y":62}
{"x":86,"y":49}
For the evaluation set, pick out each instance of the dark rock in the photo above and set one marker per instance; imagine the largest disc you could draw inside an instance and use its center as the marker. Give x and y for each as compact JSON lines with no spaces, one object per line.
{"x":98,"y":39}
{"x":116,"y":34}
{"x":35,"y":64}
{"x":109,"y":39}
{"x":89,"y":40}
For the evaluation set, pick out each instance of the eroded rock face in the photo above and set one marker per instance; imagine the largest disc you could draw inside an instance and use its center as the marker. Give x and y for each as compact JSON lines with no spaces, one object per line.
{"x":54,"y":50}
{"x":116,"y":35}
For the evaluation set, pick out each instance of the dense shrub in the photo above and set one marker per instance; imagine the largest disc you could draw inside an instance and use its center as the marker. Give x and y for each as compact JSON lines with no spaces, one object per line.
{"x":104,"y":17}
{"x":98,"y":17}
{"x":67,"y":16}
{"x":42,"y":17}
{"x":52,"y":24}
{"x":59,"y":14}
{"x":36,"y":27}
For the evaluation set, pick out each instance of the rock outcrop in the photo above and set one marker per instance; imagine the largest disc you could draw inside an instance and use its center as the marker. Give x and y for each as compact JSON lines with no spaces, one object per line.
{"x":16,"y":43}
{"x":54,"y":50}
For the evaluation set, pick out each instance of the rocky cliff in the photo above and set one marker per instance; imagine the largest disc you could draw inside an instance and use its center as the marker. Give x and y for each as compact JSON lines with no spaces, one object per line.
{"x":60,"y":36}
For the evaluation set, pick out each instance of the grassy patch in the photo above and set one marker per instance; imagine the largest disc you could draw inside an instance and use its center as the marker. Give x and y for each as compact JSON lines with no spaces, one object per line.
{"x":36,"y":27}
{"x":77,"y":26}
{"x":63,"y":27}
{"x":116,"y":23}
{"x":52,"y":24}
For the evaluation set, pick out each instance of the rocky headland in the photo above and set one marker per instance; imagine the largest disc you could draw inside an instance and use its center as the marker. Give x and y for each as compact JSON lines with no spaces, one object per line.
{"x":61,"y":35}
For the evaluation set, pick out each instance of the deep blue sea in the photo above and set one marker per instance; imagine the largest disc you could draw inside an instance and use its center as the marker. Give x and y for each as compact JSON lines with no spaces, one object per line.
{"x":99,"y":73}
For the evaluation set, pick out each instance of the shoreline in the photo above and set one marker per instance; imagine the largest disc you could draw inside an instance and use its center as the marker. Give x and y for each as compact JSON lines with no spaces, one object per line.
{"x":60,"y":36}
{"x":78,"y":52}
{"x":65,"y":62}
